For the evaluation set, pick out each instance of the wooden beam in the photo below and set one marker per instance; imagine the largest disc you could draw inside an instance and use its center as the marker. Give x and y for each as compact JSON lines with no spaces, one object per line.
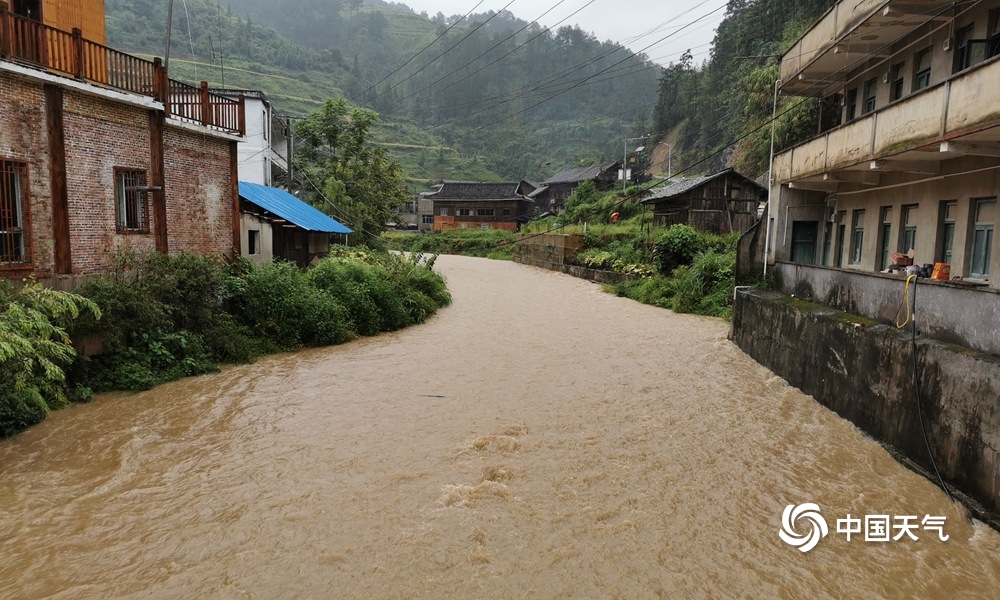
{"x":157,"y":181}
{"x":62,"y":245}
{"x":234,"y":165}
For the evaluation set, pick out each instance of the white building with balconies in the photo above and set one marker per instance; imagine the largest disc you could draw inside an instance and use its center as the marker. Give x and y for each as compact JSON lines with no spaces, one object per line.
{"x":907,"y":157}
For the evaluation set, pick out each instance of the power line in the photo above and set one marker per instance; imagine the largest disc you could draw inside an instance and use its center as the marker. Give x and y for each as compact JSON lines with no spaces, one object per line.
{"x":421,"y":51}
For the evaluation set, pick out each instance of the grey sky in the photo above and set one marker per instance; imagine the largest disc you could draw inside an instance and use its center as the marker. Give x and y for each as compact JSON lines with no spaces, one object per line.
{"x":632,"y":23}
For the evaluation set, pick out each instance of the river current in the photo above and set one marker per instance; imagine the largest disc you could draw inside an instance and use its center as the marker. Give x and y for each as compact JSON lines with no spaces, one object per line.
{"x":537,"y":439}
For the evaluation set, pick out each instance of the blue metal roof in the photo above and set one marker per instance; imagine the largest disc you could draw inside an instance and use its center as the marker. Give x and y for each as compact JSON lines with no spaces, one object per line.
{"x":290,"y":208}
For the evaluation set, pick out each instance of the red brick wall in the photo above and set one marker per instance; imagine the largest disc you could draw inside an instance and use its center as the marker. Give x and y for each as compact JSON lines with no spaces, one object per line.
{"x":102,"y":134}
{"x":23,"y":137}
{"x":199,"y":192}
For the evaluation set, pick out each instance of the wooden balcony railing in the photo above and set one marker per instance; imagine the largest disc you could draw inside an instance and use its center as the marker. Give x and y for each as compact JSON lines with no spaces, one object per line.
{"x":27,"y":41}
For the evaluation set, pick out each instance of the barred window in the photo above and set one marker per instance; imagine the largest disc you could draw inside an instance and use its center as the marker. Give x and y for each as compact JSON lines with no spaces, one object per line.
{"x":13,"y":213}
{"x":131,"y":206}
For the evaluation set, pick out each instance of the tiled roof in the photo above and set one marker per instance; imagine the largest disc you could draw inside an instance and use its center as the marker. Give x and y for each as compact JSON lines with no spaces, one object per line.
{"x":683,"y":185}
{"x":578,"y":174}
{"x":471,"y":190}
{"x":290,"y":208}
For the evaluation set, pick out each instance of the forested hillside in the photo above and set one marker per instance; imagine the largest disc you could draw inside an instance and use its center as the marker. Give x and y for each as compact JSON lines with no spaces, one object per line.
{"x":718,"y":114}
{"x":493,"y":96}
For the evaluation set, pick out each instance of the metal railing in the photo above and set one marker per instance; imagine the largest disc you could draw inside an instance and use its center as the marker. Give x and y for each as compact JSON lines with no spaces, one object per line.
{"x":69,"y":53}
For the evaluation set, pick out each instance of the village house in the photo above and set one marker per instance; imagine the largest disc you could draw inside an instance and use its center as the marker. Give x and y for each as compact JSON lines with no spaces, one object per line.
{"x":472,"y":205}
{"x":100,"y":151}
{"x":721,"y":203}
{"x":554,"y":191}
{"x":907,"y":158}
{"x":263,"y":155}
{"x":277,"y":225}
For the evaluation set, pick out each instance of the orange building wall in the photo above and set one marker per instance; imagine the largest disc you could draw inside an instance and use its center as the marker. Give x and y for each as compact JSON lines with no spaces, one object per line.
{"x":88,"y":15}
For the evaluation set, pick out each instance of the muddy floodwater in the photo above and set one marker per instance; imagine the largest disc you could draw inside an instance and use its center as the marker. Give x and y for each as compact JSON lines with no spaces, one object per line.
{"x":537,"y":439}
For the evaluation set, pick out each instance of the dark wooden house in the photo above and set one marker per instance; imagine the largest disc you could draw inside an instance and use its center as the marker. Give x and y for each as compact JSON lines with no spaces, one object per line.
{"x":471,"y":205}
{"x":721,"y":203}
{"x":560,"y":186}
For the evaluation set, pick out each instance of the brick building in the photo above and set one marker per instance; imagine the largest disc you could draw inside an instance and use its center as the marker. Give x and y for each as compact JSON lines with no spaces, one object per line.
{"x":100,"y":151}
{"x":475,"y":205}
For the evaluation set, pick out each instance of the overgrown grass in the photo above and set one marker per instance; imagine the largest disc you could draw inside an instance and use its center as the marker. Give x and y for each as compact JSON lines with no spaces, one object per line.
{"x":696,"y":273}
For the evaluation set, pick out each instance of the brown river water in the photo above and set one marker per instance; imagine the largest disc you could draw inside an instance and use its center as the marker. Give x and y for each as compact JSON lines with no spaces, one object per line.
{"x":538,"y":439}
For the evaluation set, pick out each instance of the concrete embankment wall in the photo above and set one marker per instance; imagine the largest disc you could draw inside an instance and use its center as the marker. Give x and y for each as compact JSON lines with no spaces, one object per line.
{"x":553,"y":251}
{"x":863,"y":371}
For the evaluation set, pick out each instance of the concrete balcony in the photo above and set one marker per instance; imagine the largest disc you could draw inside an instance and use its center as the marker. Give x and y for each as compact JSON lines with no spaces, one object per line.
{"x":914,"y":135}
{"x":851,"y":31}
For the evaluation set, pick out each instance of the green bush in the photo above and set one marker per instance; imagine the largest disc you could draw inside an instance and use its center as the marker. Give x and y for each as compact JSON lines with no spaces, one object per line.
{"x":677,"y":246}
{"x":706,"y":287}
{"x":34,"y":351}
{"x":279,"y":303}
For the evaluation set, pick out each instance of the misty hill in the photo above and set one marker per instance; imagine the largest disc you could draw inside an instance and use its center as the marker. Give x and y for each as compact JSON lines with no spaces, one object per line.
{"x":492,"y":96}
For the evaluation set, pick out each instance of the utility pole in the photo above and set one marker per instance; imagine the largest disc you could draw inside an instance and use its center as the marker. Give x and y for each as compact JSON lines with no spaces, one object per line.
{"x":170,"y":23}
{"x":625,"y":157}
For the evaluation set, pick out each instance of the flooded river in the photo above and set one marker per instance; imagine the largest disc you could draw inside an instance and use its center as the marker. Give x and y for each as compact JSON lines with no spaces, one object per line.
{"x":537,"y":439}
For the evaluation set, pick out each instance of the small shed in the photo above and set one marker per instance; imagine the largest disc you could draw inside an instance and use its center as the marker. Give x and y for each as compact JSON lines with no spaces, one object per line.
{"x":276,"y":225}
{"x":721,"y":203}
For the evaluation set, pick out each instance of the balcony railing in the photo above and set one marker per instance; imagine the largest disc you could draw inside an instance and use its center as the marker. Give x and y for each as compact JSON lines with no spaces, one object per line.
{"x":28,"y":41}
{"x":959,"y":105}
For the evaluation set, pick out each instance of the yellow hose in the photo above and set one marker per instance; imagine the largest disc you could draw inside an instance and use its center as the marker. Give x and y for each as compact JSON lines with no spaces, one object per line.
{"x":905,"y":301}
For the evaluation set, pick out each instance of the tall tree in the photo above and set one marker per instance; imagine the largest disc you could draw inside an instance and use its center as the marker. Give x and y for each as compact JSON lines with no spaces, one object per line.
{"x":363,"y":181}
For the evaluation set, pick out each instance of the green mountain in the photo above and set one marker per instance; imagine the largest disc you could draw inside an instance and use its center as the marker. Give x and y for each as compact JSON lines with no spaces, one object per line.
{"x":489,"y":97}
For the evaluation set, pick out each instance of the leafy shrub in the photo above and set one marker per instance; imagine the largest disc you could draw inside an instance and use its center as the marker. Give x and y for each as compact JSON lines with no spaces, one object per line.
{"x":34,"y":350}
{"x":278,"y":302}
{"x":677,"y":246}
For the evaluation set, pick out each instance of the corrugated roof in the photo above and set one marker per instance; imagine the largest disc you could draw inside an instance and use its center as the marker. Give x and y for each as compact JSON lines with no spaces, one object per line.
{"x":578,"y":174}
{"x":290,"y":208}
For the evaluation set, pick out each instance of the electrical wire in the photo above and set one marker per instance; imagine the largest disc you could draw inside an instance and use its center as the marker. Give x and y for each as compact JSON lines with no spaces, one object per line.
{"x":421,"y":51}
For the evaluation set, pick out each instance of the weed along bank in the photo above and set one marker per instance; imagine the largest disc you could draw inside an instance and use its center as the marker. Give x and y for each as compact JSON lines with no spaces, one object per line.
{"x":902,"y":180}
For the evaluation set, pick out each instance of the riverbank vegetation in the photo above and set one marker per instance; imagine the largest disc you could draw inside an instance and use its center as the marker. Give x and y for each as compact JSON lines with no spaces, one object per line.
{"x":680,"y":268}
{"x":158,"y":318}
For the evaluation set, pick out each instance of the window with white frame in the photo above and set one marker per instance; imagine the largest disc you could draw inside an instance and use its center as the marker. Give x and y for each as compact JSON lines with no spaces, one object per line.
{"x":131,"y":206}
{"x":428,"y":219}
{"x":463,"y":212}
{"x":14,"y":245}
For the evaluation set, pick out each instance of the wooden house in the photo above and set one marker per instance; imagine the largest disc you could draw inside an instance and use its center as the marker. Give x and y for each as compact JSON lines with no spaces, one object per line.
{"x":556,"y":189}
{"x":471,"y":205}
{"x":721,"y":203}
